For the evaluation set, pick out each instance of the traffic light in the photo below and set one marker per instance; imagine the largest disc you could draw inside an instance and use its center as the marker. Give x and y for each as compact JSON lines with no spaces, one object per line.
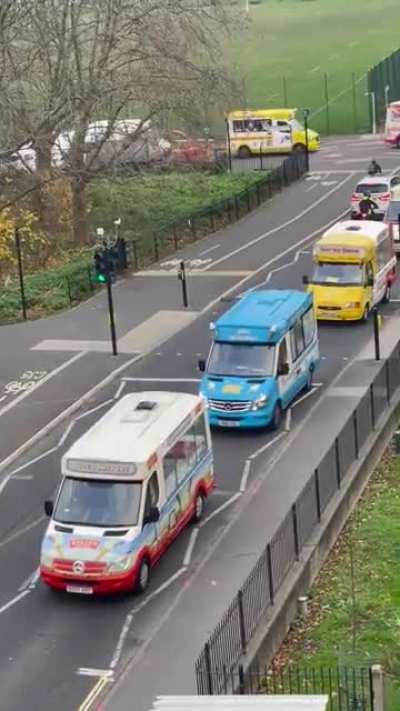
{"x":101,"y":266}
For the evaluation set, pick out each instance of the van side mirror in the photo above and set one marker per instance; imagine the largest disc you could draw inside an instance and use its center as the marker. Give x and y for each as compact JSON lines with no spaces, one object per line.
{"x":201,"y":363}
{"x":305,"y":279}
{"x":283,"y":369}
{"x":48,"y":508}
{"x":153,"y":516}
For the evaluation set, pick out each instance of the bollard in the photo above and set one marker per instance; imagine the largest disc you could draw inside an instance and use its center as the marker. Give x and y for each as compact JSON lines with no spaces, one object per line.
{"x":302,"y":603}
{"x":182,"y":278}
{"x":376,"y":333}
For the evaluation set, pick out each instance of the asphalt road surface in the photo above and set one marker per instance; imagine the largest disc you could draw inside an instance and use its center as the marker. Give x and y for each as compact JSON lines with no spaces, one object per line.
{"x":54,"y":647}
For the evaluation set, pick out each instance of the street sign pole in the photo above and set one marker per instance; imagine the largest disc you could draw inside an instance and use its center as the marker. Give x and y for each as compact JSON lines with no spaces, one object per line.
{"x":20,"y":273}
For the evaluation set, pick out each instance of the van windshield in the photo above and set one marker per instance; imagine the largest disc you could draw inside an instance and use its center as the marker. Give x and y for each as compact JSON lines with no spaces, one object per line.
{"x":393,"y":211}
{"x":338,"y":274}
{"x":98,"y":503}
{"x":242,"y":359}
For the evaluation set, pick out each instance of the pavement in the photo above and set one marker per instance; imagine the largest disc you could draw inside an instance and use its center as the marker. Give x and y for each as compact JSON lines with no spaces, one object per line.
{"x":54,"y":649}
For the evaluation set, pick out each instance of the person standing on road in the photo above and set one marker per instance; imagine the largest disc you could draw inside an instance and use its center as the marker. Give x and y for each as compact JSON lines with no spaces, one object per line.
{"x":374,"y":168}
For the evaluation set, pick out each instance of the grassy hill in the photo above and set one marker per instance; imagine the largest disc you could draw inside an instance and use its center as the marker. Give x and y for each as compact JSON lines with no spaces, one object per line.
{"x":289,"y":45}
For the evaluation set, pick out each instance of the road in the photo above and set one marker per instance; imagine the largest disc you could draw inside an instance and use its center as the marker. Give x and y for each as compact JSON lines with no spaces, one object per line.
{"x":54,"y":647}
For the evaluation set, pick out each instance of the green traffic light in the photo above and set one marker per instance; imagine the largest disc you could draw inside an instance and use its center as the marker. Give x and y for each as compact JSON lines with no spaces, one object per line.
{"x":101,"y":278}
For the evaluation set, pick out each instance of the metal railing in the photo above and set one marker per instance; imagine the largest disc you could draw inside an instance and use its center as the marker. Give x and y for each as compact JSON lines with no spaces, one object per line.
{"x":230,"y":639}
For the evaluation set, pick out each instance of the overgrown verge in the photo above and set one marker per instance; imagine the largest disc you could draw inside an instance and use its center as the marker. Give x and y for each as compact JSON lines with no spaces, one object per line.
{"x":354,"y":613}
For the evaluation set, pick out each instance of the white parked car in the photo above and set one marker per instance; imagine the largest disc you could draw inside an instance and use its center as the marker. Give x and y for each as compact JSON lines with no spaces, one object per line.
{"x":379,"y":187}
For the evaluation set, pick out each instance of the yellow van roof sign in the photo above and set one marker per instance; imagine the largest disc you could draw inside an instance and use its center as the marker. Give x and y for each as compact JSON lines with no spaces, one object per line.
{"x":340,"y":250}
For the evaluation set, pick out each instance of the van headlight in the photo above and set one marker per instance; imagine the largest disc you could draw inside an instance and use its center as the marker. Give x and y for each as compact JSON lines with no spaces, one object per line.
{"x":120,"y":565}
{"x":353,"y":305}
{"x":46,"y":560}
{"x":260,"y":402}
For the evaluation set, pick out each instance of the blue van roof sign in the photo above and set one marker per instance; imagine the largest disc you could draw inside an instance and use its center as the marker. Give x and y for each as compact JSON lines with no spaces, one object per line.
{"x":262,"y":316}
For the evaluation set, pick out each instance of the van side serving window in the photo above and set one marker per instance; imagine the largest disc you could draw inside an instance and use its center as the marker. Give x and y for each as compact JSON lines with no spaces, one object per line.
{"x":152,"y":494}
{"x":309,"y":326}
{"x":184,"y":455}
{"x":383,"y":252}
{"x":296,"y":340}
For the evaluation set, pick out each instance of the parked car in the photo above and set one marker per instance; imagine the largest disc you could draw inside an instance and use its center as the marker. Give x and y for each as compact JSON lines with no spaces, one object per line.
{"x":186,"y":149}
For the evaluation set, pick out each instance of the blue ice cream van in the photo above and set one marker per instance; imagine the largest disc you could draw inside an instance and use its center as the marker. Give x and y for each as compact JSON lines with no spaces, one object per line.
{"x":264,"y":352}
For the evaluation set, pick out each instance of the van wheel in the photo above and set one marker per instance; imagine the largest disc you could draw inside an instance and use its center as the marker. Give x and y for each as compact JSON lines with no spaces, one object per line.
{"x":299,"y":148}
{"x":143,"y":578}
{"x":198,"y":508}
{"x":308,"y":384}
{"x":276,"y":417}
{"x":244,"y":152}
{"x":387,"y":295}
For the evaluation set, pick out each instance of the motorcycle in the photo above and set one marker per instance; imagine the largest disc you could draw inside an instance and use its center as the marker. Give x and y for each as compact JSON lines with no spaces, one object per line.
{"x":369,"y":214}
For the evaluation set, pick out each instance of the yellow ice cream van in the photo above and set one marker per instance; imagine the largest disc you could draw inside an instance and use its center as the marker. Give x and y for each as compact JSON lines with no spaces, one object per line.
{"x":355,"y":266}
{"x":252,"y":131}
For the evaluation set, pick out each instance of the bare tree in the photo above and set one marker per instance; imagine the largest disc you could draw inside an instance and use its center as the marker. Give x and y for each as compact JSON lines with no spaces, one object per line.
{"x":72,"y":62}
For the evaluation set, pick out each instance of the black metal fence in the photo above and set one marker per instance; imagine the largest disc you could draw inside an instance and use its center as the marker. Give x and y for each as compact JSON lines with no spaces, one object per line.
{"x":384,"y":82}
{"x":229,"y":641}
{"x":349,"y":688}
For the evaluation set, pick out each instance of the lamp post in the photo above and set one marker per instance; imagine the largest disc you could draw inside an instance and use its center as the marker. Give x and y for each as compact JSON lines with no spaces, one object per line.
{"x":387,"y":91}
{"x":306,"y":113}
{"x":20,"y":273}
{"x":373,"y":109}
{"x":228,"y":140}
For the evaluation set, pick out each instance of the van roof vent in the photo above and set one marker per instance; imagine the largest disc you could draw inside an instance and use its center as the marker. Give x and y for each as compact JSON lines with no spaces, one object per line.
{"x":353,"y":228}
{"x":146,"y":405}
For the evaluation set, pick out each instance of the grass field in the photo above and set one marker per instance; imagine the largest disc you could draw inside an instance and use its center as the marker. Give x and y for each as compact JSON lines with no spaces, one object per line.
{"x":301,"y":40}
{"x":355,"y":604}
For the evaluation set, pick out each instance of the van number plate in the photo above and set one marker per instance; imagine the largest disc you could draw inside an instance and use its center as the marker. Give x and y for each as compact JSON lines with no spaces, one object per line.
{"x":228,"y":423}
{"x":80,"y":589}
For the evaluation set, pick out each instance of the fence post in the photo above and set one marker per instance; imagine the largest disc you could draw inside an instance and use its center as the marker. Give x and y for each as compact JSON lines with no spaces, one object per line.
{"x":337,"y":457}
{"x":295,"y":532}
{"x":192,"y":225}
{"x":258,"y":195}
{"x":328,"y":123}
{"x":371,"y":395}
{"x":241,"y":621}
{"x":69,"y":290}
{"x":90,"y":278}
{"x":156,"y":250}
{"x":354,"y":94}
{"x":355,"y":425}
{"x":207,"y":659}
{"x":378,"y":689}
{"x":175,"y":236}
{"x":229,"y":210}
{"x":248,"y":200}
{"x":317,"y":494}
{"x":237,"y":212}
{"x":212,"y":223}
{"x":284,"y":86}
{"x":241,"y":680}
{"x":135,"y":255}
{"x":270,"y":578}
{"x":387,"y":373}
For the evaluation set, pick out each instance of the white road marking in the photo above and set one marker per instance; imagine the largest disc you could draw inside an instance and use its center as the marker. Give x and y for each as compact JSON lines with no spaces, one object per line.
{"x":288,"y":419}
{"x":66,"y":433}
{"x":6,"y":479}
{"x":189,"y":550}
{"x":210,"y":249}
{"x":21,"y":531}
{"x":41,"y":382}
{"x":121,"y":387}
{"x":292,"y":220}
{"x":245,"y":476}
{"x":30,"y":581}
{"x":22,"y":477}
{"x":90,"y":671}
{"x":14,"y":600}
{"x":326,"y":183}
{"x":304,"y":397}
{"x":128,"y":620}
{"x":94,"y":409}
{"x":3,"y":398}
{"x":267,"y":445}
{"x":162,"y":380}
{"x":312,"y":187}
{"x":219,"y":509}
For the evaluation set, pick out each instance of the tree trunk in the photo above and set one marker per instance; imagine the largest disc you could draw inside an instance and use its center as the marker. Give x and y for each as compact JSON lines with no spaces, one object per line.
{"x":80,"y":226}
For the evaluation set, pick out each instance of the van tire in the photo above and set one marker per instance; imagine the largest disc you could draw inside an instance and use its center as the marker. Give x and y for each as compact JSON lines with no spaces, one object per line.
{"x":244,"y":152}
{"x":365,"y":315}
{"x":276,"y":417}
{"x":387,"y":295}
{"x":198,"y":507}
{"x":308,"y":385}
{"x":299,"y":148}
{"x":143,"y":576}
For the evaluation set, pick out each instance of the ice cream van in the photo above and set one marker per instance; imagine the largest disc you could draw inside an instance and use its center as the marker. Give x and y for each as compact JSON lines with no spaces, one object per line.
{"x":129,"y":486}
